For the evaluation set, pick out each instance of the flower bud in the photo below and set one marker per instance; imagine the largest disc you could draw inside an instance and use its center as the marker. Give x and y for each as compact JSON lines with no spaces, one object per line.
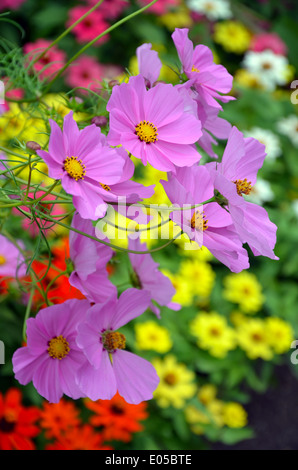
{"x":99,"y":121}
{"x":31,"y":145}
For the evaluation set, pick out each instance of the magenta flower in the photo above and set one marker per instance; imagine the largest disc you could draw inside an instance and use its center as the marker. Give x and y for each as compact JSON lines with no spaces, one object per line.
{"x":12,"y":263}
{"x":108,"y":367}
{"x":153,"y":125}
{"x":149,"y":64}
{"x":50,"y":63}
{"x":84,"y":164}
{"x":91,"y":27}
{"x":11,"y":4}
{"x":146,"y":276}
{"x":235,"y":177}
{"x":85,"y":72}
{"x":210,"y":226}
{"x":264,"y":41}
{"x":161,"y":7}
{"x":209,"y":78}
{"x":90,"y":259}
{"x":51,"y":358}
{"x":110,"y":9}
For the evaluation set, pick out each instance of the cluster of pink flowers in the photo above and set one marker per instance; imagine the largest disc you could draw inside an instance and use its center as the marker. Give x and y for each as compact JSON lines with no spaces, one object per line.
{"x":74,"y":348}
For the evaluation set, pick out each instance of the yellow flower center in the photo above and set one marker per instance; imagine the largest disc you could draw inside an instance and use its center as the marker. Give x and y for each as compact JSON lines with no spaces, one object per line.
{"x":2,"y":260}
{"x":105,"y":187}
{"x":75,"y":168}
{"x":171,"y":378}
{"x":198,"y":221}
{"x":58,"y":347}
{"x":243,"y":186}
{"x":194,"y":69}
{"x":113,"y":340}
{"x":147,"y":132}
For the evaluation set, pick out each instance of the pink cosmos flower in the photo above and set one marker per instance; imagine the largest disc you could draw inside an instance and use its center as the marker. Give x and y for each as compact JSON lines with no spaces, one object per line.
{"x":153,"y":125}
{"x":51,"y":358}
{"x":50,"y":63}
{"x":90,"y":259}
{"x":110,"y":9}
{"x":11,"y":4}
{"x":209,"y":78}
{"x":146,"y":276}
{"x":90,"y":27}
{"x":161,"y":7}
{"x":210,"y":225}
{"x":12,"y":263}
{"x":233,"y":178}
{"x":108,"y":367}
{"x":149,"y":63}
{"x":272,"y":41}
{"x":84,"y":164}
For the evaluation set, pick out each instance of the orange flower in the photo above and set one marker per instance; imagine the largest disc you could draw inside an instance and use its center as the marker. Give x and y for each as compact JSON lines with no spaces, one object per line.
{"x":17,"y":423}
{"x":117,"y":418}
{"x":59,"y":418}
{"x":80,"y":438}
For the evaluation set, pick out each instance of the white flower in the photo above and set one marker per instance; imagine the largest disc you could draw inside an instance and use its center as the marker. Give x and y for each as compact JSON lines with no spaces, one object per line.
{"x":269,"y":139}
{"x":289,"y":127}
{"x":261,"y":192}
{"x":212,"y":9}
{"x":270,"y":69}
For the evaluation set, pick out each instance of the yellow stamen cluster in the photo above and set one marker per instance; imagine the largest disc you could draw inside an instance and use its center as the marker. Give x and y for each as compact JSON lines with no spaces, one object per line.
{"x":147,"y":132}
{"x":58,"y":347}
{"x":243,"y":186}
{"x":2,"y":260}
{"x":194,"y":69}
{"x":105,"y":187}
{"x":75,"y":168}
{"x":198,"y":221}
{"x":113,"y":340}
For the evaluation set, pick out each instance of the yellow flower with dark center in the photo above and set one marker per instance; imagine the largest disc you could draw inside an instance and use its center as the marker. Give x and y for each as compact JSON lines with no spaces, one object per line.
{"x":280,"y":334}
{"x":234,"y":415}
{"x":199,"y":275}
{"x":233,"y":36}
{"x":253,"y":338}
{"x":150,"y":335}
{"x":245,"y":290}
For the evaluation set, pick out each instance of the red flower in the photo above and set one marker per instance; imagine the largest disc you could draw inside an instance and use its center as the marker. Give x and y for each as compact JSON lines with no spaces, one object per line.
{"x":17,"y":423}
{"x":80,"y":438}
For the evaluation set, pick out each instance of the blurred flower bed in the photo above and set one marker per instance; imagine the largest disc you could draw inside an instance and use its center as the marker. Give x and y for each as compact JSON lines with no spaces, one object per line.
{"x":233,"y":328}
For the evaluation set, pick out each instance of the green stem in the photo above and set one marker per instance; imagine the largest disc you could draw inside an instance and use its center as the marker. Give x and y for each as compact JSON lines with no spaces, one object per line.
{"x":28,"y":310}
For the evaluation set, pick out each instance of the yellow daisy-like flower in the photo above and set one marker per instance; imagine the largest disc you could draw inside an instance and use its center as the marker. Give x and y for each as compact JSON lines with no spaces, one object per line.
{"x":233,"y":36}
{"x":245,"y":290}
{"x":213,"y":334}
{"x":199,"y":275}
{"x":184,"y":294}
{"x":177,"y":383}
{"x":207,"y":393}
{"x":176,"y":19}
{"x":280,"y":334}
{"x":215,"y":408}
{"x":151,"y":336}
{"x":253,"y":338}
{"x":234,"y":415}
{"x":246,"y":79}
{"x":196,"y":419}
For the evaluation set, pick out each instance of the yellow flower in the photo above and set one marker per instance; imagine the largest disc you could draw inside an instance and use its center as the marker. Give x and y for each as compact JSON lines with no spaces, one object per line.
{"x":213,"y":333}
{"x":233,"y":36}
{"x":184,"y":294}
{"x":199,"y":275}
{"x":253,"y":339}
{"x":196,"y":418}
{"x":234,"y":415}
{"x":207,"y":393}
{"x":176,"y":19}
{"x":176,"y":382}
{"x":280,"y":334}
{"x":215,"y":408}
{"x":246,"y":79}
{"x":244,"y":289}
{"x":150,"y":335}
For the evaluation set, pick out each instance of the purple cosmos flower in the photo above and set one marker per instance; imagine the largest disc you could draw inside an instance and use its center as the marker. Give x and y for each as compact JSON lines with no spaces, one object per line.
{"x":108,"y":367}
{"x":90,"y":260}
{"x":12,"y":263}
{"x":84,"y":164}
{"x":209,"y":78}
{"x":146,"y":276}
{"x":51,"y":358}
{"x":153,"y":124}
{"x":149,"y":64}
{"x":235,"y":177}
{"x":210,"y":225}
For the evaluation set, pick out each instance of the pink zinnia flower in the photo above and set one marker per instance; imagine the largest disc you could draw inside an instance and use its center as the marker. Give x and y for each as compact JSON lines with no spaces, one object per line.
{"x":11,"y":4}
{"x":153,"y":124}
{"x":146,"y":276}
{"x":235,"y":177}
{"x":210,"y":226}
{"x":110,"y":9}
{"x":50,"y":63}
{"x":12,"y":263}
{"x":90,"y":259}
{"x":93,"y":25}
{"x":209,"y":78}
{"x":161,"y":7}
{"x":149,"y":63}
{"x":51,"y":358}
{"x":85,"y":72}
{"x":108,"y":367}
{"x":272,"y":41}
{"x":84,"y":164}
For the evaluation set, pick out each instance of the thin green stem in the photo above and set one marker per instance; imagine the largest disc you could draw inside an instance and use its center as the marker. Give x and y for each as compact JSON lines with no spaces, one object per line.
{"x":28,"y":311}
